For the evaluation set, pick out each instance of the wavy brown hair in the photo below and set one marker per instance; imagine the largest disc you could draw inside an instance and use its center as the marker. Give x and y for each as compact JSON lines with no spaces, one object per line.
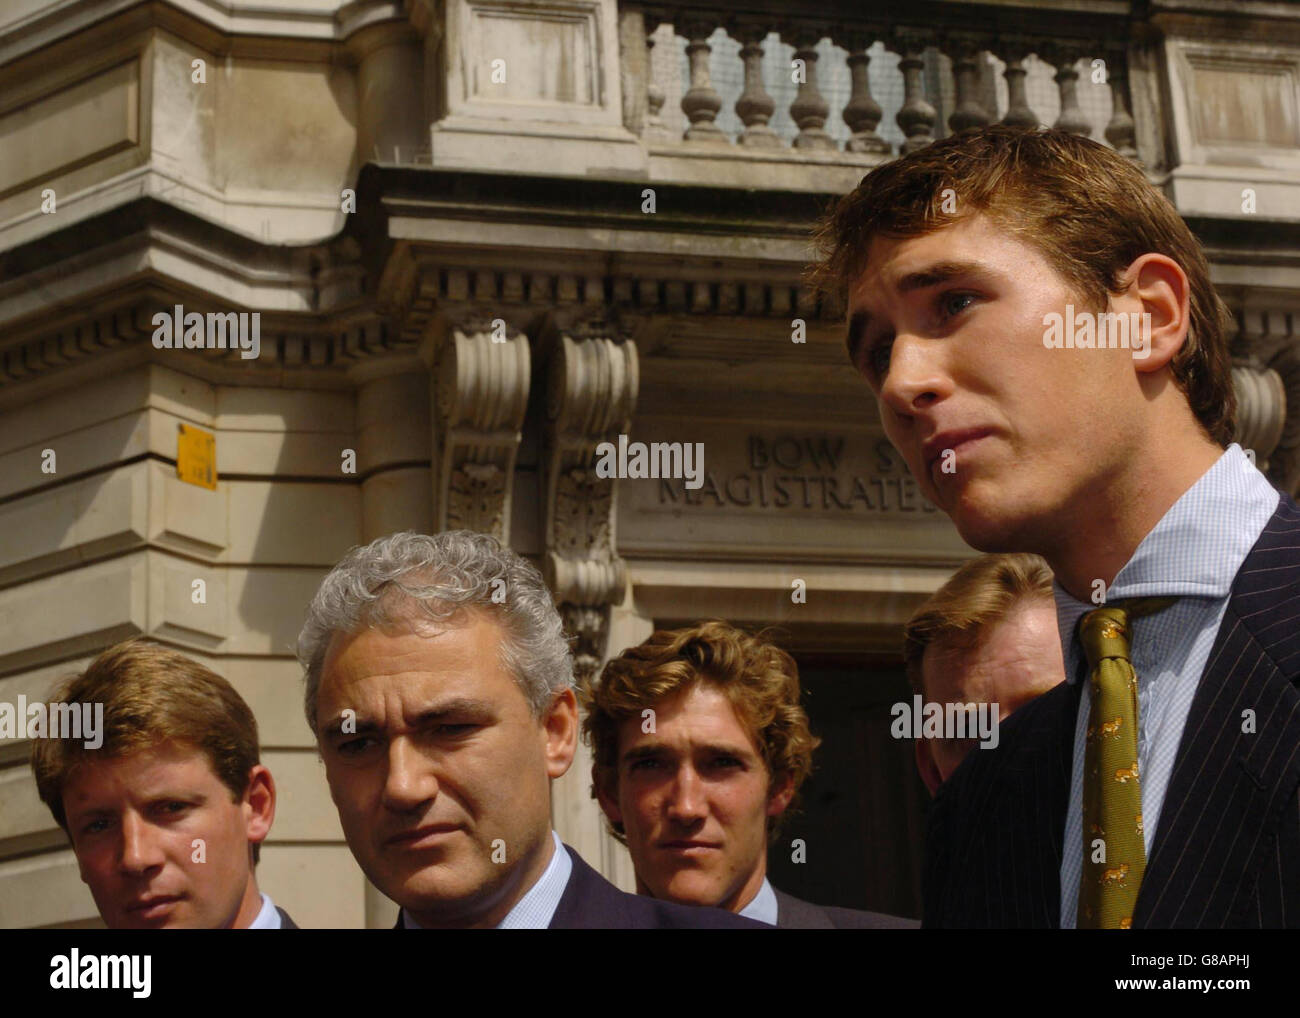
{"x":1088,"y":210}
{"x":759,"y":679}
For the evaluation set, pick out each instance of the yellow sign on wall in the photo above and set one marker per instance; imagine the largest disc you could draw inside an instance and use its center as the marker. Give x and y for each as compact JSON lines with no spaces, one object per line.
{"x":196,"y":457}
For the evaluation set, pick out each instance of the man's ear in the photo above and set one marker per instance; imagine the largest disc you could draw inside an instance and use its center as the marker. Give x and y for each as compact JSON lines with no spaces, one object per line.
{"x":1157,"y":288}
{"x":561,"y":725}
{"x":926,"y":765}
{"x":259,"y":804}
{"x":780,"y":794}
{"x":608,"y":802}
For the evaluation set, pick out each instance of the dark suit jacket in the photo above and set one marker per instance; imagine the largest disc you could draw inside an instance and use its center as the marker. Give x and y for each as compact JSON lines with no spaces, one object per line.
{"x":1227,"y":851}
{"x":590,"y":902}
{"x":796,"y":914}
{"x":285,"y":922}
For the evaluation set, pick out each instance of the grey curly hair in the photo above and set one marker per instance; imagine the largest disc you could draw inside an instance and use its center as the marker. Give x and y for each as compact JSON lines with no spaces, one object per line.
{"x":408,"y":578}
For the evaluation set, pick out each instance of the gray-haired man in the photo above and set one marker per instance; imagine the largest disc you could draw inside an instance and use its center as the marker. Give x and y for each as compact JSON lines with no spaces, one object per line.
{"x":439,"y":686}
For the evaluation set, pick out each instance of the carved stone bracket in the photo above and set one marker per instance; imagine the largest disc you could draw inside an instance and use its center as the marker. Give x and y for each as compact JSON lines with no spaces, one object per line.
{"x":1261,"y":410}
{"x":480,"y":370}
{"x":1265,"y":387}
{"x":592,"y":383}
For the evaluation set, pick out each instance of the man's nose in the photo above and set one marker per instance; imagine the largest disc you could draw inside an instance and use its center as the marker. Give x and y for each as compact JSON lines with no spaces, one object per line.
{"x":411,"y":780}
{"x":686,"y":801}
{"x":141,"y":849}
{"x":916,"y":377}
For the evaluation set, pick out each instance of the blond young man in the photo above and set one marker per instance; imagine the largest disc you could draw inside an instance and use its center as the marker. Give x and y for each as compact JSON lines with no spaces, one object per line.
{"x":988,"y":635}
{"x":167,"y":815}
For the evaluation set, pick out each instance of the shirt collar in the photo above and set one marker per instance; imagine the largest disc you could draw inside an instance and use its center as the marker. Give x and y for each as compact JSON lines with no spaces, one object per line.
{"x":268,"y":918}
{"x":763,"y":907}
{"x":1206,"y":518}
{"x":536,"y":908}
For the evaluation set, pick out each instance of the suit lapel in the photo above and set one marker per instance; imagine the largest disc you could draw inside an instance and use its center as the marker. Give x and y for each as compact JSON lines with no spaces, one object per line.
{"x":1004,"y":863}
{"x":1239,"y":758}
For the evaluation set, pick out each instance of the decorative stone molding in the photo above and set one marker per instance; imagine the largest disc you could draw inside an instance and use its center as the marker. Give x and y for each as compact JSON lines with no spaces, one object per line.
{"x":592,"y":388}
{"x":282,"y":347}
{"x":480,"y":379}
{"x":1261,"y":410}
{"x":1273,"y":346}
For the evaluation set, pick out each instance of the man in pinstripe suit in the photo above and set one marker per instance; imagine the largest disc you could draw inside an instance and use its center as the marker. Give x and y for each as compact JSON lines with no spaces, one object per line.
{"x":1115,"y":462}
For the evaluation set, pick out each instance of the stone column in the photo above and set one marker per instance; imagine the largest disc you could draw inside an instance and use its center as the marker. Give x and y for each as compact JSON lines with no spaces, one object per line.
{"x":809,"y":109}
{"x":916,"y":117}
{"x":393,"y":451}
{"x":1019,"y":113}
{"x":862,"y":113}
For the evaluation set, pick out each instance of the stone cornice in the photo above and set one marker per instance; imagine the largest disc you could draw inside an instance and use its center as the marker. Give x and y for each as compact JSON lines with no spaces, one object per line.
{"x":311,"y":29}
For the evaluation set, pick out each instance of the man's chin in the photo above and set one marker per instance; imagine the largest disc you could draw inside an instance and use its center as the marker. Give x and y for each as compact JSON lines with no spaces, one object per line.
{"x":985,"y":526}
{"x":438,"y":892}
{"x":692,"y":892}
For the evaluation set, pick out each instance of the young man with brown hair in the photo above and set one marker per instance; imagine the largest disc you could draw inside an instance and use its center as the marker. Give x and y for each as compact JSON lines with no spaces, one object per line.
{"x":700,"y":745}
{"x":167,"y":815}
{"x":1167,"y":796}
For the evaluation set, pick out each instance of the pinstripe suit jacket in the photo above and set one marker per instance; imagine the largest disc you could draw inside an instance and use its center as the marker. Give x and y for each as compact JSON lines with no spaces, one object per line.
{"x":1227,"y":850}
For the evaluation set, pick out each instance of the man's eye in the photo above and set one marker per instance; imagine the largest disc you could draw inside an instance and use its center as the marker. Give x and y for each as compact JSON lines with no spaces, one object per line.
{"x":645,"y":763}
{"x":460,"y":729}
{"x":354,"y":746}
{"x":94,"y":827}
{"x":947,"y":302}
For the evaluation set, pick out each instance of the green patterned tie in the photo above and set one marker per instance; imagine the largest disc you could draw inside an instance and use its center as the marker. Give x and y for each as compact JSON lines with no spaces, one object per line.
{"x":1114,"y":856}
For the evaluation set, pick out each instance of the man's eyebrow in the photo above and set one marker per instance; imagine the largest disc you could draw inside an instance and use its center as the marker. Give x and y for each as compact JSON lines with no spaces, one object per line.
{"x":644,"y":750}
{"x":467,"y":705}
{"x":722,"y":749}
{"x":931,"y":275}
{"x":659,"y":749}
{"x":456,"y":705}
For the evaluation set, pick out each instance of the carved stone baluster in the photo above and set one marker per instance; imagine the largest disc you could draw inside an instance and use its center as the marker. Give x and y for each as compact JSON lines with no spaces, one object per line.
{"x":809,"y":109}
{"x":701,"y":103}
{"x":862,"y":113}
{"x":755,"y":106}
{"x":1065,"y":57}
{"x":480,"y":393}
{"x":654,"y":95}
{"x":1019,"y":112}
{"x":1121,"y":132}
{"x":916,"y":117}
{"x":591,"y":393}
{"x":969,"y":111}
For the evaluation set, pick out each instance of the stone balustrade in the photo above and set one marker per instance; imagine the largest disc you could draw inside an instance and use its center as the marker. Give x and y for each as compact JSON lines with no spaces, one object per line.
{"x":872,"y":90}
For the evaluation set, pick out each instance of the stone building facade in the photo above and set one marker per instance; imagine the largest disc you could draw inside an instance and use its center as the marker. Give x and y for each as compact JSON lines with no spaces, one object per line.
{"x":484,"y":236}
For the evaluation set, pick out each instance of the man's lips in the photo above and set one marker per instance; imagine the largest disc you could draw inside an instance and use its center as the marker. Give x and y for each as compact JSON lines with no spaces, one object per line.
{"x":420,"y":837}
{"x":153,"y":906}
{"x":934,"y":448}
{"x":688,"y":845}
